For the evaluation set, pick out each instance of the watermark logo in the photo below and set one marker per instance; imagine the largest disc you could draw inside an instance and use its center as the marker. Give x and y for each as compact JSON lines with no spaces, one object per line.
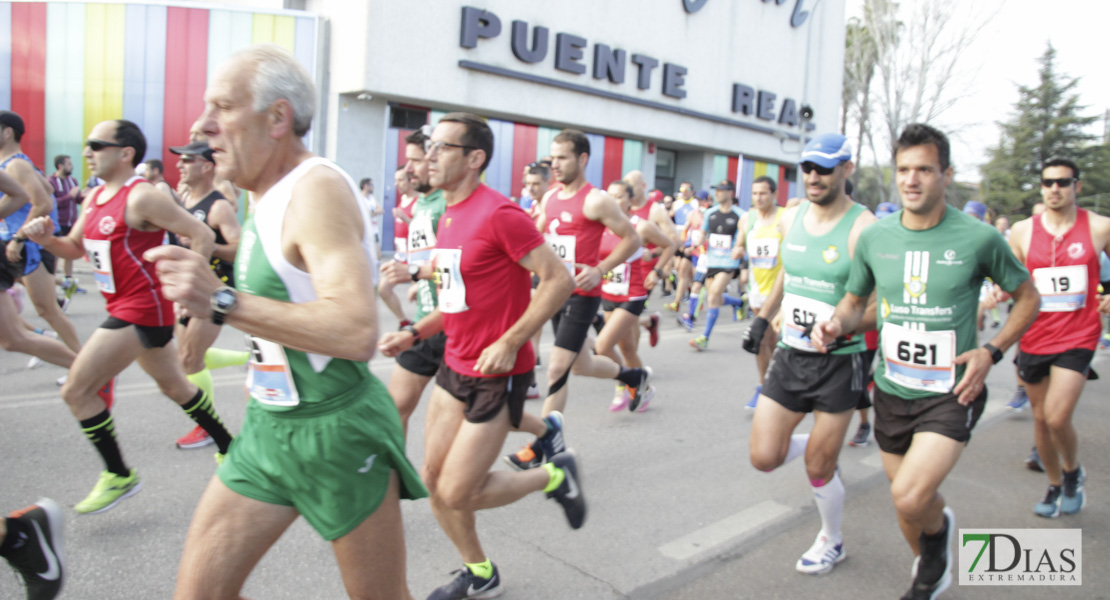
{"x":1021,"y":557}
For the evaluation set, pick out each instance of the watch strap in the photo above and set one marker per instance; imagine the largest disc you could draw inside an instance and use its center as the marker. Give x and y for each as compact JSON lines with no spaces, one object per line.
{"x":996,"y":354}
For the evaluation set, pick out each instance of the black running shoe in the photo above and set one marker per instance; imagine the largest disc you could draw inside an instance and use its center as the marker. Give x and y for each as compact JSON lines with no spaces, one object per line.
{"x":640,"y":390}
{"x":932,"y":572}
{"x":569,"y":493}
{"x":469,"y":585}
{"x":37,"y":554}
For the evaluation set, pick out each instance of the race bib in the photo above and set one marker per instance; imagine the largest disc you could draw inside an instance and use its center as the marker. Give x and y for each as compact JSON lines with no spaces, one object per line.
{"x":400,"y":249}
{"x":763,"y":253}
{"x":703,"y":265}
{"x":616,"y":281}
{"x":919,"y":360}
{"x":269,"y":379}
{"x":720,"y":242}
{"x":100,"y":255}
{"x":1063,"y":289}
{"x":799,"y":313}
{"x":422,"y":239}
{"x":452,"y":289}
{"x":563,"y":245}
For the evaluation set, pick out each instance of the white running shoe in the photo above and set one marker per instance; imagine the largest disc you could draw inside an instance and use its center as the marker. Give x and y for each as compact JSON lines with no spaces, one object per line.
{"x":62,"y":380}
{"x":822,"y":556}
{"x":36,"y":361}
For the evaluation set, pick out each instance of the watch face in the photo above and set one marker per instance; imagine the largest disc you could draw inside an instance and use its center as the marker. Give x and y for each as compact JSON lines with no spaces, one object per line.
{"x":225,"y":299}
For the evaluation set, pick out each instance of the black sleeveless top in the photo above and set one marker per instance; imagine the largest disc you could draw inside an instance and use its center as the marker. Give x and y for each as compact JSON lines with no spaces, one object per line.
{"x":201,"y":210}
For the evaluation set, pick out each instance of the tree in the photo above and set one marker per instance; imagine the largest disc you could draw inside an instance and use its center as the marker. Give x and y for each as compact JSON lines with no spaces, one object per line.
{"x":1047,"y":121}
{"x":859,"y":71}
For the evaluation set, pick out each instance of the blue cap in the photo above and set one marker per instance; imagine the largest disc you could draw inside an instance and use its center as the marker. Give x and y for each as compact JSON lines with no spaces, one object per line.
{"x":827,"y":150}
{"x":885,"y":209}
{"x":703,"y":194}
{"x":976,"y":209}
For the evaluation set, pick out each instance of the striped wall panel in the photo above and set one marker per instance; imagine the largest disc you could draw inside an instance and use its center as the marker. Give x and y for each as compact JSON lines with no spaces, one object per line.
{"x":143,"y":77}
{"x":613,"y":160}
{"x":104,"y":47}
{"x":594,"y":168}
{"x":633,"y":159}
{"x":784,"y":187}
{"x":744,"y":185}
{"x":524,"y":151}
{"x":720,"y":169}
{"x":65,"y":84}
{"x":187,"y":69}
{"x":544,"y":136}
{"x":28,"y":75}
{"x":5,"y":55}
{"x":499,"y":173}
{"x":228,"y":32}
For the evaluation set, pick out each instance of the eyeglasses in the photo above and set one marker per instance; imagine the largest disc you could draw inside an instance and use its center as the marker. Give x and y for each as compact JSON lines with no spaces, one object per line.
{"x":1062,"y":182}
{"x":808,"y":167}
{"x":431,"y":147}
{"x":98,"y":145}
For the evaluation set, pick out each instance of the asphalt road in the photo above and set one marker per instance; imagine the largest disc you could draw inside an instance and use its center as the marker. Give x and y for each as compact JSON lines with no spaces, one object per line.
{"x":676,"y":510}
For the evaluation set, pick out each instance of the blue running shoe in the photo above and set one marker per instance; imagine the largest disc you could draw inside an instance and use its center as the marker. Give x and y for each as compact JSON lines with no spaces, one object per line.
{"x":1073,"y":498}
{"x":1033,"y":463}
{"x":755,"y":398}
{"x":1018,"y":402}
{"x":1049,"y":508}
{"x":552,"y":442}
{"x":686,"y":322}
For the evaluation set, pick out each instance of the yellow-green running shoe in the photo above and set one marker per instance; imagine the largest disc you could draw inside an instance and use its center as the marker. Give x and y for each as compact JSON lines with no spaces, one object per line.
{"x":700,"y":343}
{"x":220,"y":456}
{"x":108,"y":491}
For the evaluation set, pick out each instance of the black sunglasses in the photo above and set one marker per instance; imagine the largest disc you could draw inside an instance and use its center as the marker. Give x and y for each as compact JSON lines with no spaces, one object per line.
{"x":1062,"y":182}
{"x":808,"y":167}
{"x":98,"y":145}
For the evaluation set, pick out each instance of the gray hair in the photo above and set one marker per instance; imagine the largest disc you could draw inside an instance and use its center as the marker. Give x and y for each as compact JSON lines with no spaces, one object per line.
{"x":278,"y":76}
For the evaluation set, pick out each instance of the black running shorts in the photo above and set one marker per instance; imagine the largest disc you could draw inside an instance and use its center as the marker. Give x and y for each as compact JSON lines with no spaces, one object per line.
{"x":425,"y":356}
{"x":150,"y":336}
{"x":807,"y":381}
{"x":572,"y":322}
{"x":897,"y":420}
{"x":1032,"y":368}
{"x":486,"y":396}
{"x":635,"y":307}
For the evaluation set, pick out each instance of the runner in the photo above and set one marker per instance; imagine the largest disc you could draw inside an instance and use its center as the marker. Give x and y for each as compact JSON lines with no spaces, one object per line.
{"x":624,"y":293}
{"x":126,"y":216}
{"x":719,"y":231}
{"x":574,"y":218}
{"x":202,"y":200}
{"x":402,"y":216}
{"x":925,"y":264}
{"x":1061,"y":248}
{"x":31,"y":542}
{"x":820,"y":237}
{"x":321,"y":438}
{"x":417,"y":365}
{"x":649,"y":207}
{"x":67,"y":201}
{"x":484,"y":309}
{"x":761,"y":236}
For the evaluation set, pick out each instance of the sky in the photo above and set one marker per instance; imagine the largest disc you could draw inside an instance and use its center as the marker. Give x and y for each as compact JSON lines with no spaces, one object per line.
{"x":1005,"y":53}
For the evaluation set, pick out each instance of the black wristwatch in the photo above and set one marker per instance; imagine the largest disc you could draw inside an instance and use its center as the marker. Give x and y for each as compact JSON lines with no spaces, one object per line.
{"x":658,"y":272}
{"x":414,"y":272}
{"x":224,"y":300}
{"x":996,"y":354}
{"x":412,"y":329}
{"x":17,"y":238}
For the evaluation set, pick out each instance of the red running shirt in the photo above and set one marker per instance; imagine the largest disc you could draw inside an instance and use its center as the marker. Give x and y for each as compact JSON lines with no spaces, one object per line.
{"x":1069,"y":304}
{"x":626,"y":281}
{"x":482,"y":290}
{"x":644,"y":213}
{"x":400,"y":227}
{"x":127,"y":281}
{"x":565,"y":220}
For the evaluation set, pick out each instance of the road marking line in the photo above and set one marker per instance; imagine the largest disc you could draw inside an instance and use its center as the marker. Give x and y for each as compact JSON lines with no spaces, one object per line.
{"x":873,"y":460}
{"x":724,"y":531}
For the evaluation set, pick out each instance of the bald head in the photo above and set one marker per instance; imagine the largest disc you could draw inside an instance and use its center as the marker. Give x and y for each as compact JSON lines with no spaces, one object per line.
{"x":639,"y":187}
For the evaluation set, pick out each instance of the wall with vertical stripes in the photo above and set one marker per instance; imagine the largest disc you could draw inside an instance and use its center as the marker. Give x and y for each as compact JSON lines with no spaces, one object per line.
{"x":66,"y":66}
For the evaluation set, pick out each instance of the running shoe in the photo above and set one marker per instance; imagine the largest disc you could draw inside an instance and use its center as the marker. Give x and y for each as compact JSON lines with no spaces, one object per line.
{"x":1104,"y":343}
{"x":645,"y":399}
{"x":620,"y":399}
{"x":468,"y":585}
{"x":1073,"y":497}
{"x":35,"y":361}
{"x":552,"y":442}
{"x":932,"y":570}
{"x":755,"y":398}
{"x":38,"y":555}
{"x":1018,"y":402}
{"x":569,"y":493}
{"x":108,"y":491}
{"x":533,"y":392}
{"x":1049,"y":508}
{"x":671,"y":306}
{"x":637,"y":393}
{"x":686,"y":322}
{"x":862,"y":437}
{"x":525,"y":458}
{"x":107,"y":393}
{"x":1033,"y":463}
{"x":653,"y":330}
{"x":821,"y":557}
{"x":197,"y":438}
{"x":62,"y":380}
{"x":699,"y":343}
{"x":220,"y":456}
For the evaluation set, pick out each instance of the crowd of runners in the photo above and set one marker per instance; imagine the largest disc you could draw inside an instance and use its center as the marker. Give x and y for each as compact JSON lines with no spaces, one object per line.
{"x":851,"y":311}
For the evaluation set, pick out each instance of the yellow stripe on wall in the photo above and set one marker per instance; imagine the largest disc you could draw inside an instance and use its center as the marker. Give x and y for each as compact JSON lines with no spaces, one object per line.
{"x":760,"y":170}
{"x":104,"y":47}
{"x":274,"y":29}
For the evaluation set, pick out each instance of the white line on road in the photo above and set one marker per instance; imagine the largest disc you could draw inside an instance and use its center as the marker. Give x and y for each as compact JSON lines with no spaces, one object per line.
{"x":724,"y":531}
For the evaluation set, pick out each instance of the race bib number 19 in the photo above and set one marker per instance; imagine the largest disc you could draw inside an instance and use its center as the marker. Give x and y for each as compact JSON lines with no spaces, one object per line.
{"x":919,"y":360}
{"x":1062,"y":289}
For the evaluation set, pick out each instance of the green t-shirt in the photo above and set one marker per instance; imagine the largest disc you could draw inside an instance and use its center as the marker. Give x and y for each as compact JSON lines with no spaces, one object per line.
{"x":422,"y":240}
{"x":927,"y":292}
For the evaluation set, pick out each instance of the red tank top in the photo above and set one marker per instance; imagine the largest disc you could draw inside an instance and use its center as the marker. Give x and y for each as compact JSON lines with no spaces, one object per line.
{"x":400,"y":227}
{"x":565,"y":218}
{"x":127,"y":281}
{"x":626,"y":281}
{"x":1069,"y":305}
{"x":644,"y":213}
